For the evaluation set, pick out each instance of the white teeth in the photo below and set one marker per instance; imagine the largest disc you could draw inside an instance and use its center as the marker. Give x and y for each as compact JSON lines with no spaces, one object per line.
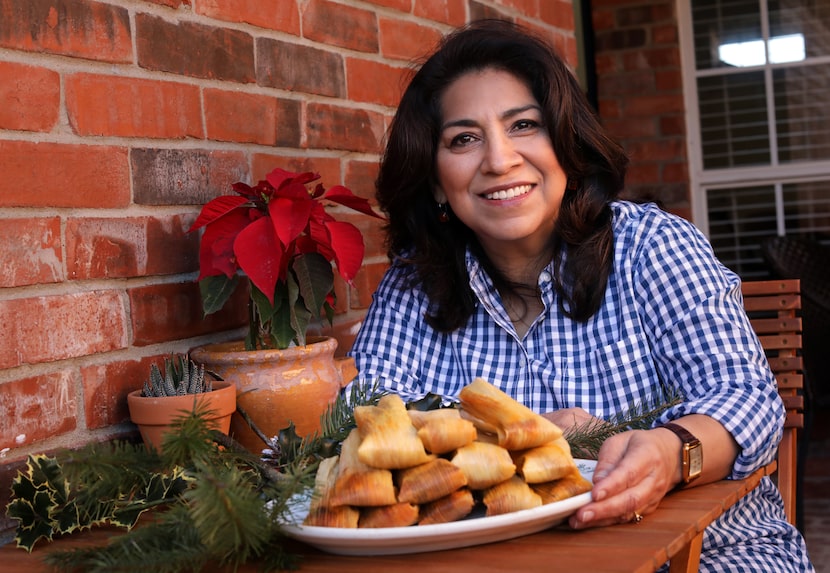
{"x":508,"y":193}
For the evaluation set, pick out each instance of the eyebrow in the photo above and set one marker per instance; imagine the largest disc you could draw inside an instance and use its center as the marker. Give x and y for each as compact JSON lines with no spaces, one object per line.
{"x":506,"y":115}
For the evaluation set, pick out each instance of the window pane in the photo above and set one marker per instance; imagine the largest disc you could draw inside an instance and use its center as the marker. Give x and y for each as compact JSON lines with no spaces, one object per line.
{"x":807,"y":18}
{"x":807,"y":208}
{"x":739,"y":219}
{"x":725,"y":24}
{"x":802,"y":110}
{"x":734,"y":128}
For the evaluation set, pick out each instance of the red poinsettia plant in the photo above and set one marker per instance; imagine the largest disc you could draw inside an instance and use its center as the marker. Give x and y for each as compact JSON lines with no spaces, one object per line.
{"x":279,"y":235}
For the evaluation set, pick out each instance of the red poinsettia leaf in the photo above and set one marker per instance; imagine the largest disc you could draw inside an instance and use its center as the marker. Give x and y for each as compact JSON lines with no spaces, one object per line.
{"x":318,"y":241}
{"x":280,"y":178}
{"x":289,"y":216}
{"x":259,"y":254}
{"x":216,"y":208}
{"x":216,"y":254}
{"x":344,"y":196}
{"x":245,"y":190}
{"x":347,"y":243}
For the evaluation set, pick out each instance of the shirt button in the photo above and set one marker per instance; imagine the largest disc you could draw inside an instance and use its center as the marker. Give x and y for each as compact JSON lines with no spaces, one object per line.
{"x":544,"y":276}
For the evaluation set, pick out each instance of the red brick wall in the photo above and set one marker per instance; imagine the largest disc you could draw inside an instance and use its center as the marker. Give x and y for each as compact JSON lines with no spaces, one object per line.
{"x":119,"y":118}
{"x":640,"y":95}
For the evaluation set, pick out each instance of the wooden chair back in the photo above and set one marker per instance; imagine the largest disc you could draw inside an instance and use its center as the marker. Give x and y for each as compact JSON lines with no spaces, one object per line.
{"x":772,"y":308}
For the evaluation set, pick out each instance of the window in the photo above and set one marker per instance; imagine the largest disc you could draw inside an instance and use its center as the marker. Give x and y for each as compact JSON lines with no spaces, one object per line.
{"x":757,"y":86}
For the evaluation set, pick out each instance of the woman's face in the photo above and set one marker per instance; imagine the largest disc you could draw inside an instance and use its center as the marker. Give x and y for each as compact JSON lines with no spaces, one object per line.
{"x":495,"y":162}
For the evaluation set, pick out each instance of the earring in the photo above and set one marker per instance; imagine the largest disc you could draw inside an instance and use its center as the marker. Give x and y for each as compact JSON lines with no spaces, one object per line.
{"x":443,"y":213}
{"x":573,"y":184}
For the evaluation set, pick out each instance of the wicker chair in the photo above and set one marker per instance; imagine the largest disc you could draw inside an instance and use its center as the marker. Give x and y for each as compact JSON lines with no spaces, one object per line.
{"x":808,"y":260}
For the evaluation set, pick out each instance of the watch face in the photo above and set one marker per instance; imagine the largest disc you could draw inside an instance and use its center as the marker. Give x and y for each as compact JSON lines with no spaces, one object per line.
{"x":695,"y":461}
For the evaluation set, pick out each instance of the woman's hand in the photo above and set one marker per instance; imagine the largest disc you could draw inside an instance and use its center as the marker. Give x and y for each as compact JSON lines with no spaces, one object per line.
{"x":569,"y":417}
{"x":634,"y":471}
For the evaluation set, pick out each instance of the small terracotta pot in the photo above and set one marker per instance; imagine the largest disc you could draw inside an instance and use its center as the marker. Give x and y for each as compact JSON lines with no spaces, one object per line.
{"x":153,"y":416}
{"x":276,"y":387}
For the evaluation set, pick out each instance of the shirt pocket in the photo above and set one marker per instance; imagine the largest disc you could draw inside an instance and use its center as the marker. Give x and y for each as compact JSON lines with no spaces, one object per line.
{"x":611,"y":378}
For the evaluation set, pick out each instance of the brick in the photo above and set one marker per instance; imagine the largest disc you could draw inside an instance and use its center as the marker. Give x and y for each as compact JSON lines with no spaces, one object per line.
{"x":452,"y":12}
{"x":252,"y":118}
{"x":371,"y":228}
{"x":340,"y":25}
{"x":653,"y":58}
{"x":662,"y":149}
{"x":333,"y":127}
{"x":528,"y":8}
{"x":273,"y":15}
{"x":631,"y":127}
{"x":130,"y":247}
{"x":673,"y":125}
{"x":620,"y":39}
{"x":195,"y":50}
{"x":167,"y":312}
{"x":676,"y":172}
{"x":49,"y":328}
{"x":185,"y":176}
{"x":80,"y":28}
{"x":88,"y":175}
{"x":557,"y":13}
{"x":366,"y":283}
{"x":602,"y":20}
{"x":643,"y":172}
{"x":375,"y":82}
{"x":30,"y":96}
{"x":106,"y":387}
{"x":37,"y":408}
{"x":341,"y":295}
{"x":408,"y":41}
{"x":361,"y":177}
{"x":345,"y":331}
{"x":400,"y":5}
{"x":277,"y":68}
{"x":327,"y":167}
{"x":664,"y":34}
{"x":132,"y":107}
{"x":650,"y":105}
{"x":30,"y":252}
{"x":636,"y":82}
{"x":170,"y":3}
{"x":479,"y":11}
{"x":668,"y":80}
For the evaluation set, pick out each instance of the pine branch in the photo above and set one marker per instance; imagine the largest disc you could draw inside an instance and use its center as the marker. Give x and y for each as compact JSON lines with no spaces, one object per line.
{"x":586,"y":439}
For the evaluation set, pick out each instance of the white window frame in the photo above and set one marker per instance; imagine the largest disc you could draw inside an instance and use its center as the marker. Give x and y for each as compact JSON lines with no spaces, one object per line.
{"x":699,"y":179}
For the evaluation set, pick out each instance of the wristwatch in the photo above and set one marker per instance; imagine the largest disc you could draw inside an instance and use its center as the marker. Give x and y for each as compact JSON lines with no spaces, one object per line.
{"x":691,"y":455}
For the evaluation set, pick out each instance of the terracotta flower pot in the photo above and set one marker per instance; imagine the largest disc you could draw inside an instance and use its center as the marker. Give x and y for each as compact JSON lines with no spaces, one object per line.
{"x":276,"y":387}
{"x":153,"y":416}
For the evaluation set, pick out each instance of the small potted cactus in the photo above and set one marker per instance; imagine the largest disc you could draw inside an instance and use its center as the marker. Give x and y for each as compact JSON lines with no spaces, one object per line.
{"x":177,"y":389}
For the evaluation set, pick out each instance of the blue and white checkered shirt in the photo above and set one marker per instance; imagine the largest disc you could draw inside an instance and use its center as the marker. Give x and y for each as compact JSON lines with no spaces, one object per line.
{"x":672,"y":317}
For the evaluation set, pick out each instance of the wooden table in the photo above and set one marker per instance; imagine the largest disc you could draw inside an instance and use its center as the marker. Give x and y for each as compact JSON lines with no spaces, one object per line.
{"x":673,"y":532}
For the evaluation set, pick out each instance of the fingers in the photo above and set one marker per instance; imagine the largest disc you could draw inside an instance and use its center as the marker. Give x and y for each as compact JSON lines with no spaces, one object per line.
{"x":569,"y":417}
{"x":629,"y":480}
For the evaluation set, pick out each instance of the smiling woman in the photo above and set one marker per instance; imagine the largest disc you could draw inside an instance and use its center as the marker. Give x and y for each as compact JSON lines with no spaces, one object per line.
{"x":515,"y":261}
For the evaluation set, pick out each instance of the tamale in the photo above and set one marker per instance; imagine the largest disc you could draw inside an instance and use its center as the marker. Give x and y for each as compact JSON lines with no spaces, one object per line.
{"x":389,"y":440}
{"x":517,"y":426}
{"x":443,"y":435}
{"x":421,"y":417}
{"x":320,"y":512}
{"x":509,"y":496}
{"x":544,"y":463}
{"x":396,"y":515}
{"x":448,"y":508}
{"x":571,"y":484}
{"x":484,"y":464}
{"x":427,"y":482}
{"x":358,"y":484}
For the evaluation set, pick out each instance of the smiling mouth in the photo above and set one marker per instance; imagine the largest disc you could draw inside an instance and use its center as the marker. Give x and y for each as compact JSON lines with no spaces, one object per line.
{"x":511,"y":193}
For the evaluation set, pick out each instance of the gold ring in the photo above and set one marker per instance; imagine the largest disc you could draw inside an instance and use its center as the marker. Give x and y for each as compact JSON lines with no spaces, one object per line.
{"x":637,"y":518}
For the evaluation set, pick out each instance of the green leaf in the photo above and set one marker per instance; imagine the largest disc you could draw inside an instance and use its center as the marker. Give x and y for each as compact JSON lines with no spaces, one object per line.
{"x":300,"y":316}
{"x":315,"y":279}
{"x":216,"y":290}
{"x":281,"y":329}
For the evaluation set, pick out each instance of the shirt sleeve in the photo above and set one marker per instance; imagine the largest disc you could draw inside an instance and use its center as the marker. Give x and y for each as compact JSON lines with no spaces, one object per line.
{"x":702,"y":341}
{"x":387,"y":350}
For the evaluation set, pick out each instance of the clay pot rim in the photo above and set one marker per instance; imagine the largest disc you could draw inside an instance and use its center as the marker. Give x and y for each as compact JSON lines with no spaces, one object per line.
{"x":233,"y":352}
{"x":218,"y":386}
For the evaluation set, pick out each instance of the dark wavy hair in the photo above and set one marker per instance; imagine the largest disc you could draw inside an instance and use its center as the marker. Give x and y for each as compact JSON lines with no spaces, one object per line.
{"x":594,"y":163}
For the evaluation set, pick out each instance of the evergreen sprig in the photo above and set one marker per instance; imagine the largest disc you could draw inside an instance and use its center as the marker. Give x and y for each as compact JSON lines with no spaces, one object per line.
{"x":586,"y":439}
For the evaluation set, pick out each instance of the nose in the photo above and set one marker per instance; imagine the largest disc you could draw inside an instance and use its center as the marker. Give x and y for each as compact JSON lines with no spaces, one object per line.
{"x":501,"y":154}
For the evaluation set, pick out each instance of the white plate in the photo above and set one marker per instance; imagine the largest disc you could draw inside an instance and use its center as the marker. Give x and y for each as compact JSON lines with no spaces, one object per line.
{"x":419,"y":538}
